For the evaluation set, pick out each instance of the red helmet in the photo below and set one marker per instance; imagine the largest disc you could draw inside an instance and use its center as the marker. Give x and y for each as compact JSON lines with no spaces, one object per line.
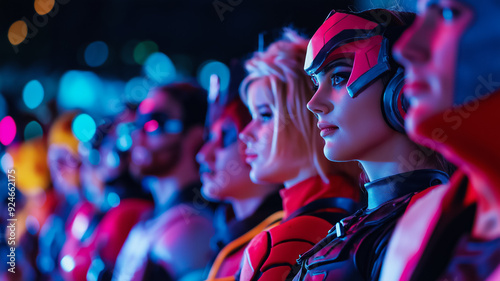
{"x":359,"y":36}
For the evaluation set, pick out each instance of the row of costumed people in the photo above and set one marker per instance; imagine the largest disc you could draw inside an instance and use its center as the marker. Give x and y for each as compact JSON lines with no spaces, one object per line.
{"x":320,"y":162}
{"x":412,"y":222}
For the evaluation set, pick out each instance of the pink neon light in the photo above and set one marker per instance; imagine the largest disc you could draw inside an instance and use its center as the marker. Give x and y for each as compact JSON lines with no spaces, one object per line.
{"x":151,"y":126}
{"x":7,"y":130}
{"x":146,"y":106}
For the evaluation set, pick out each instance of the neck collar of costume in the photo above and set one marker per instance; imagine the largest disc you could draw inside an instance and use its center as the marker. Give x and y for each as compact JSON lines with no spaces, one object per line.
{"x":395,"y":186}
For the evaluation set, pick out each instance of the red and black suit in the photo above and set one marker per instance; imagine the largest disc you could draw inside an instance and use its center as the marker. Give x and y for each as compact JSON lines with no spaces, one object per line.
{"x":311,"y":208}
{"x":354,"y":249}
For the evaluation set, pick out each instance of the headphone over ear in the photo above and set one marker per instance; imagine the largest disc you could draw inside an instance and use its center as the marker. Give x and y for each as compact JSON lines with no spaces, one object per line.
{"x":394,"y":103}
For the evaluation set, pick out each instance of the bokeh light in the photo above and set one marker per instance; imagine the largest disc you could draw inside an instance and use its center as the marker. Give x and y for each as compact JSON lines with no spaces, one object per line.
{"x":33,"y":94}
{"x":143,"y":50}
{"x":7,"y":130}
{"x":78,"y":89}
{"x":214,"y":67}
{"x":67,"y":263}
{"x":17,"y":32}
{"x":151,"y":126}
{"x":124,"y":143}
{"x":32,"y":130}
{"x":159,"y":68}
{"x":80,"y":225}
{"x":96,"y":53}
{"x":43,"y":7}
{"x":113,"y":199}
{"x":112,"y":159}
{"x":84,"y":127}
{"x":6,"y":162}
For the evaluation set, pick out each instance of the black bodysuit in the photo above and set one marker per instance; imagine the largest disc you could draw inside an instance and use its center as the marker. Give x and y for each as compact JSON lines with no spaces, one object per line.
{"x":354,"y":249}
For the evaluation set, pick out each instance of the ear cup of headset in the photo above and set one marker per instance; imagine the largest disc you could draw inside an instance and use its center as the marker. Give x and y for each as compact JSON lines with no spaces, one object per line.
{"x":394,"y":103}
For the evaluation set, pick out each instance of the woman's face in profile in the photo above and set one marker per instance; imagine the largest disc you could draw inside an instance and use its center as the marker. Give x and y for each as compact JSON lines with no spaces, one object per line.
{"x":353,"y":128}
{"x":224,"y":173}
{"x":259,"y":134}
{"x":429,"y":52}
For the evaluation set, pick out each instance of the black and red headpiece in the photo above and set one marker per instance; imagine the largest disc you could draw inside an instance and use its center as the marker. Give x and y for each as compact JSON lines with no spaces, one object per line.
{"x":366,"y":38}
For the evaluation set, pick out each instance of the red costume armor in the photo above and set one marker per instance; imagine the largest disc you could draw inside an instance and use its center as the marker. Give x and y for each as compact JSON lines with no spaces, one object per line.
{"x":355,"y":248}
{"x":88,"y":235}
{"x":310,"y":211}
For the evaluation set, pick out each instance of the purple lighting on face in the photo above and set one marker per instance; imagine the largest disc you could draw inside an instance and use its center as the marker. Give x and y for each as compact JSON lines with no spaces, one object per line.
{"x":7,"y":130}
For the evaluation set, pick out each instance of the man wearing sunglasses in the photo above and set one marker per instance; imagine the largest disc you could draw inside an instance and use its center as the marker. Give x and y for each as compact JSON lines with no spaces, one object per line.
{"x":173,"y":242}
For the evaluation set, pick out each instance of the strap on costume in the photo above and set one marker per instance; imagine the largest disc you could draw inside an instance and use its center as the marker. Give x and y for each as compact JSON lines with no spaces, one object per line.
{"x":347,"y":204}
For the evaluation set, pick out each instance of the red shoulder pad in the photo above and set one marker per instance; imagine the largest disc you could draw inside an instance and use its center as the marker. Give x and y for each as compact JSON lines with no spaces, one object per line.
{"x":273,"y":252}
{"x":255,"y":255}
{"x":302,"y":228}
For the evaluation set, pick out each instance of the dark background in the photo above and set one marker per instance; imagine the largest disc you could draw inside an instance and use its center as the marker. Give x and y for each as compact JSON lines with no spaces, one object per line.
{"x":189,"y":32}
{"x":181,"y":28}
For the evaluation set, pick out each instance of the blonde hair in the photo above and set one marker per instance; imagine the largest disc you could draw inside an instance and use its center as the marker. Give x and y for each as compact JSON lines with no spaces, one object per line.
{"x":282,"y":65}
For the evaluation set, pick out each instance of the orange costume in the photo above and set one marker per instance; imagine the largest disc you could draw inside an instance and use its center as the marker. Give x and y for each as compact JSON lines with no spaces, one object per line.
{"x":238,"y":234}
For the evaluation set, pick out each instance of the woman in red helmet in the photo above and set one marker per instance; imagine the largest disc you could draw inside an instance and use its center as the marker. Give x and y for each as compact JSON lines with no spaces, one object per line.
{"x":360,"y":112}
